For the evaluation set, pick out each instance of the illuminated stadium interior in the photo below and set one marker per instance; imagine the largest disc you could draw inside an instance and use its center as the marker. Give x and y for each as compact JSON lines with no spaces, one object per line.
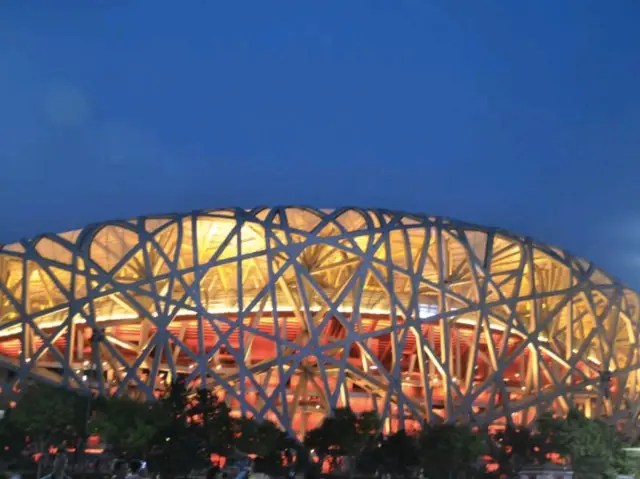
{"x":290,"y":312}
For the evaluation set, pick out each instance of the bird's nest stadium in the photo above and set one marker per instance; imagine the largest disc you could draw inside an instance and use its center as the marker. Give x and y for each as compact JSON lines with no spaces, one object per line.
{"x":288,"y":313}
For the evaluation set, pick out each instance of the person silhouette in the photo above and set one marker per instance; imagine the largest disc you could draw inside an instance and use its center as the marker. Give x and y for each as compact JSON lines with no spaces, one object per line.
{"x":60,"y":465}
{"x":119,"y":469}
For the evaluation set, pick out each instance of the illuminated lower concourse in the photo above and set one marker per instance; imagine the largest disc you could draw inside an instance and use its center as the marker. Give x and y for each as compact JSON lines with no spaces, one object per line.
{"x":290,"y":312}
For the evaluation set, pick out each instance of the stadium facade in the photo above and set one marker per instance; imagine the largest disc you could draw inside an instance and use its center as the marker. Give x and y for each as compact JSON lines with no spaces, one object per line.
{"x":290,"y":312}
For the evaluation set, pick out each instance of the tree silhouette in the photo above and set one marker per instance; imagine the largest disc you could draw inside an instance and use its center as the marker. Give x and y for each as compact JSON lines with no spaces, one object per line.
{"x":451,"y":451}
{"x":399,"y":453}
{"x":343,"y":434}
{"x":514,"y":448}
{"x":47,"y":416}
{"x":129,"y":427}
{"x":592,"y":447}
{"x":178,"y":450}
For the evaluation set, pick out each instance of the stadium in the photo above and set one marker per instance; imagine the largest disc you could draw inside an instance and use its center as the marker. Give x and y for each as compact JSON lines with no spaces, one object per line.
{"x":288,"y":313}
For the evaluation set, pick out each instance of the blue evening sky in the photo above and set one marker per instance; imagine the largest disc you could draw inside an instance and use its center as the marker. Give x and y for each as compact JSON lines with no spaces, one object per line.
{"x":522,"y":114}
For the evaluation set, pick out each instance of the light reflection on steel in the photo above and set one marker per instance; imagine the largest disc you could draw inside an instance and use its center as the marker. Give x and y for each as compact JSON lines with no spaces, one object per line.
{"x":290,"y":312}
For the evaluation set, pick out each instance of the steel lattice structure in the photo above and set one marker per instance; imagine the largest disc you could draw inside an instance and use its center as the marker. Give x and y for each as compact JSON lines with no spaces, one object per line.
{"x":290,"y":312}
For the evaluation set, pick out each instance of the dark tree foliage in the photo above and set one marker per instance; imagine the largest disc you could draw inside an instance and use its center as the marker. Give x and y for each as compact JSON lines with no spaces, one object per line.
{"x":177,"y":450}
{"x":211,"y":422}
{"x":451,"y":451}
{"x":177,"y":434}
{"x":12,"y":441}
{"x":258,"y":437}
{"x":49,"y":417}
{"x":129,"y":427}
{"x":344,"y":434}
{"x":264,"y":439}
{"x":334,"y":437}
{"x":592,"y":447}
{"x":514,"y":448}
{"x":399,"y":454}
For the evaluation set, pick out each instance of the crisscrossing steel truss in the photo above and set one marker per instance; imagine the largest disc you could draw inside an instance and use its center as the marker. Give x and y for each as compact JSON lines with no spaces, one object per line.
{"x":290,"y":312}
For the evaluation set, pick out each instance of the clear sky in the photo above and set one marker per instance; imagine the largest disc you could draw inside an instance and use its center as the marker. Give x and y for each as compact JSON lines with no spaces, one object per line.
{"x":520,"y":114}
